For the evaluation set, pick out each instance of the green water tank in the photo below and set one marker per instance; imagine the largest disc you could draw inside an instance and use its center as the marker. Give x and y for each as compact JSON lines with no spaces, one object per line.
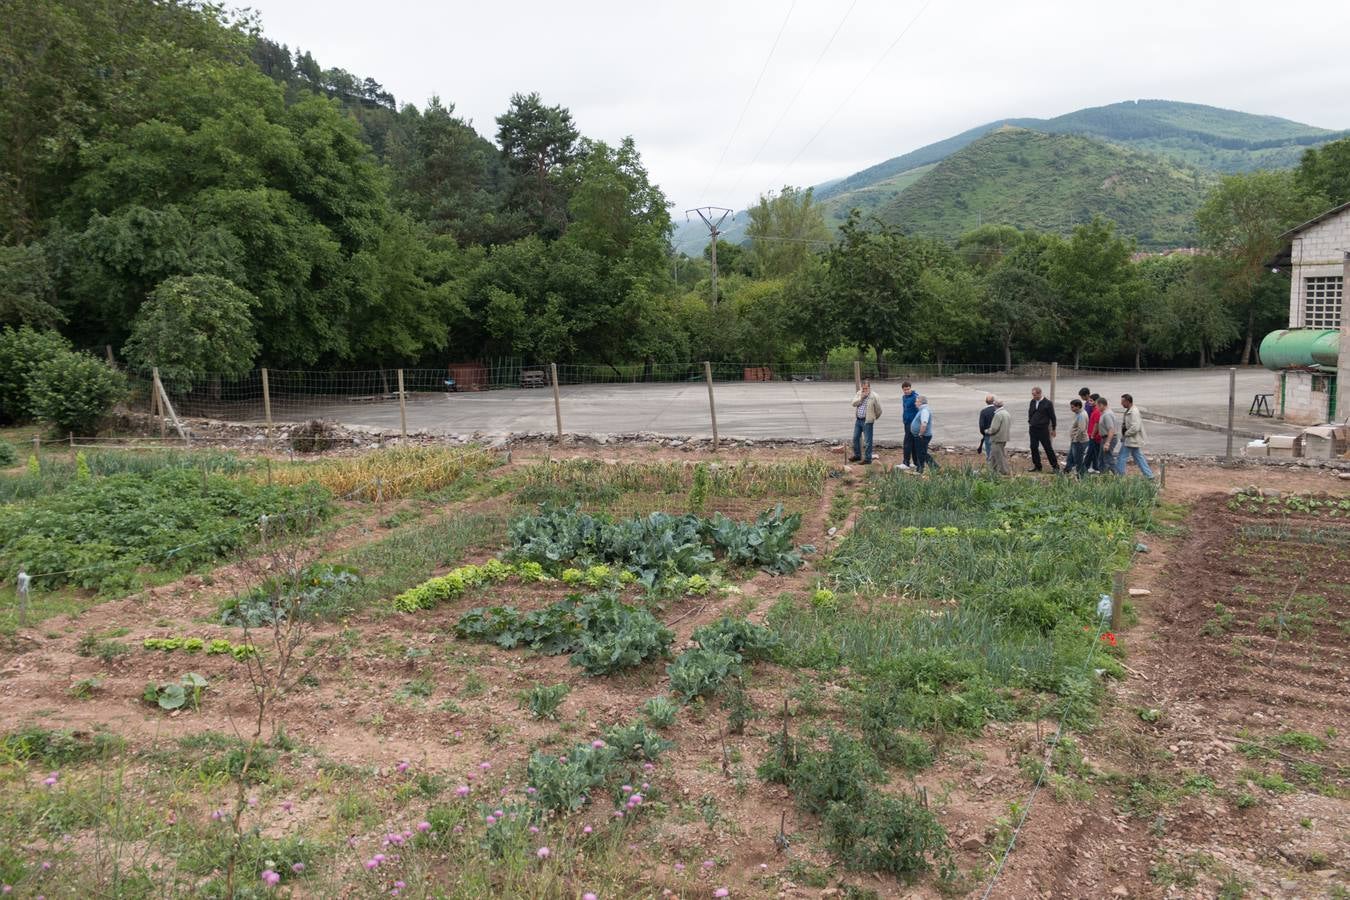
{"x":1301,"y":348}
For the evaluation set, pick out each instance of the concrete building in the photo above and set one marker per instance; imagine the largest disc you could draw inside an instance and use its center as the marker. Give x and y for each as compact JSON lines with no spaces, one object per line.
{"x":1312,"y":358}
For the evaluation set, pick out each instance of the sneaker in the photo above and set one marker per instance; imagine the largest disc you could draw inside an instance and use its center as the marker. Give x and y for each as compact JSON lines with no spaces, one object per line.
{"x":855,"y":459}
{"x":866,"y":462}
{"x":904,"y":466}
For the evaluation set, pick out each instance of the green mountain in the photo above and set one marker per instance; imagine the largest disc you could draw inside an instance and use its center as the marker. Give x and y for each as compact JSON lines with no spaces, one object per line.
{"x":1180,"y":137}
{"x":1050,"y":182}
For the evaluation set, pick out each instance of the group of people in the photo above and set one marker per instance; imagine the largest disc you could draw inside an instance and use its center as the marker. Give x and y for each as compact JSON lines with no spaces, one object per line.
{"x":1099,"y":441}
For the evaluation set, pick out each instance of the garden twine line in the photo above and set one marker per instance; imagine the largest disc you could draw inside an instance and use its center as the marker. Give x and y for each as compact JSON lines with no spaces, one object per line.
{"x":1040,"y":778}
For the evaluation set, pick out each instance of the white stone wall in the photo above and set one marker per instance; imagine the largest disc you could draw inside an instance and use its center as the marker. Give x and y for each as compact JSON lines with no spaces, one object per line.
{"x":1319,"y":251}
{"x":1303,"y":405}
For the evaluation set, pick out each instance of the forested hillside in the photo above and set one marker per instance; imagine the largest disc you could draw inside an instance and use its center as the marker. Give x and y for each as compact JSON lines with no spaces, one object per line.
{"x":1186,"y":135}
{"x":1052,"y":182}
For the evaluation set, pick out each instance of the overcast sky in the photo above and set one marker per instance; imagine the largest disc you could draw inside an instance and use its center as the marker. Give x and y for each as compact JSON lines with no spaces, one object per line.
{"x":677,"y":76}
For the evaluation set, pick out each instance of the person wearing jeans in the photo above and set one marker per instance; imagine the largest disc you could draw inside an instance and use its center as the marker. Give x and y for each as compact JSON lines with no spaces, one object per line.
{"x":1110,"y":437}
{"x":907,"y":398}
{"x":986,"y":416}
{"x":922,"y":429}
{"x":867,"y":409}
{"x":1078,"y":440}
{"x":1133,"y":430}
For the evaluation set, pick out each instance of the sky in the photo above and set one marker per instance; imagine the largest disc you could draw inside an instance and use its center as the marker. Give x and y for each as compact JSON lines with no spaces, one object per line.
{"x":729,"y":99}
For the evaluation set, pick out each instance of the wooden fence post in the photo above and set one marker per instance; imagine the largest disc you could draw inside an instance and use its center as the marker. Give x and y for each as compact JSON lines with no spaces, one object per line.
{"x":1232,"y":391}
{"x":22,"y":590}
{"x":159,"y":404}
{"x":267,"y":406}
{"x":712,"y":406}
{"x":1054,"y":380}
{"x":557,"y":400}
{"x":402,"y":409}
{"x":857,"y":375}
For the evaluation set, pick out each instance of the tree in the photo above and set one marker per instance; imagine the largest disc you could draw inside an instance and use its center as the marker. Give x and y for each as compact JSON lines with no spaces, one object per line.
{"x":1324,"y":172}
{"x":1242,"y":222}
{"x":984,"y":248}
{"x":1194,"y":317}
{"x":874,"y":277}
{"x":192,"y":327}
{"x":1090,"y":277}
{"x":27,"y":292}
{"x":538,"y":143}
{"x":1144,"y":307}
{"x":732,"y":259}
{"x":448,"y":176}
{"x":948,"y":314}
{"x":1015,"y":300}
{"x":784,"y":230}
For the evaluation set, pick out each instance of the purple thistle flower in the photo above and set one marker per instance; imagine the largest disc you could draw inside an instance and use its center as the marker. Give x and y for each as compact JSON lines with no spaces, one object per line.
{"x":270,"y":878}
{"x":597,"y":744}
{"x":298,"y":868}
{"x":586,"y":830}
{"x":721,"y":892}
{"x":542,"y":853}
{"x":462,"y":791}
{"x":424,"y":827}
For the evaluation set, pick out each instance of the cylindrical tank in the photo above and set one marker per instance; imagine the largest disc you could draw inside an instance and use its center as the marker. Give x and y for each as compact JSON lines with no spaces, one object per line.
{"x":1301,"y":348}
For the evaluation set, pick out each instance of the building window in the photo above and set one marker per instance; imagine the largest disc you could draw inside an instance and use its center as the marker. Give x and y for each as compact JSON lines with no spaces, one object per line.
{"x":1322,"y":302}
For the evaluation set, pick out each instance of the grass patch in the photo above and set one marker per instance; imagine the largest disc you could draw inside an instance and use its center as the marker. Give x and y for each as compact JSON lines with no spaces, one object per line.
{"x":401,"y":471}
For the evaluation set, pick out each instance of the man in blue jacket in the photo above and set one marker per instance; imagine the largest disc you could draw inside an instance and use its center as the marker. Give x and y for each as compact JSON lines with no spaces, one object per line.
{"x":909,"y":399}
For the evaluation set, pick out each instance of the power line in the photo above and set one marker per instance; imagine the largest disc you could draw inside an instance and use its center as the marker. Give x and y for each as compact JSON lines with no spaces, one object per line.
{"x":762,"y":69}
{"x":876,"y":65}
{"x":800,"y":87}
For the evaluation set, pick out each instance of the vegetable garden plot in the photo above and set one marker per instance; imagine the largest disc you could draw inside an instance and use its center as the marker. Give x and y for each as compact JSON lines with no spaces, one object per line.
{"x":106,"y":533}
{"x":624,"y":490}
{"x":973,"y":599}
{"x":388,"y":474}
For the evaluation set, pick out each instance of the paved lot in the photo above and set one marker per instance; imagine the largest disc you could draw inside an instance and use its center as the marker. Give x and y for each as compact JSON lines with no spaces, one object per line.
{"x":814,"y":410}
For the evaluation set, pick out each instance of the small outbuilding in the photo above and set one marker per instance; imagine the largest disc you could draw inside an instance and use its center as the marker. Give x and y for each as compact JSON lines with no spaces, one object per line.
{"x":1312,"y":356}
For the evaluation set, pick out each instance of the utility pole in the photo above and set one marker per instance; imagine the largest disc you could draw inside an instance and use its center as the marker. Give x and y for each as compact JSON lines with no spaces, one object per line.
{"x":707,"y":214}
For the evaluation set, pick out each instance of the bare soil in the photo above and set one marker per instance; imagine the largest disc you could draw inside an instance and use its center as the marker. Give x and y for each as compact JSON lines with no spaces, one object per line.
{"x":1211,"y":700}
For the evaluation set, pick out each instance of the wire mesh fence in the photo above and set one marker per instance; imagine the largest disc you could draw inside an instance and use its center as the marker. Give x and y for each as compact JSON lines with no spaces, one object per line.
{"x":752,"y":401}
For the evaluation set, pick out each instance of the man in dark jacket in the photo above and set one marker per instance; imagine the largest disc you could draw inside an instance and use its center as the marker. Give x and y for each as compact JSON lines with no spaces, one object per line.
{"x":986,"y":416}
{"x":1041,"y":425}
{"x":908,"y":398}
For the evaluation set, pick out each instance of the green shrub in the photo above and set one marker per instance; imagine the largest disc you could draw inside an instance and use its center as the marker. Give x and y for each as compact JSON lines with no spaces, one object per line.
{"x":842,"y":774}
{"x":72,"y":392}
{"x":897,"y":835}
{"x":22,"y":353}
{"x":8,"y":455}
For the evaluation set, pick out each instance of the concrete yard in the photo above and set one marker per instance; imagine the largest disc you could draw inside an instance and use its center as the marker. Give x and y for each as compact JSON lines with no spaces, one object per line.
{"x":818,"y":410}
